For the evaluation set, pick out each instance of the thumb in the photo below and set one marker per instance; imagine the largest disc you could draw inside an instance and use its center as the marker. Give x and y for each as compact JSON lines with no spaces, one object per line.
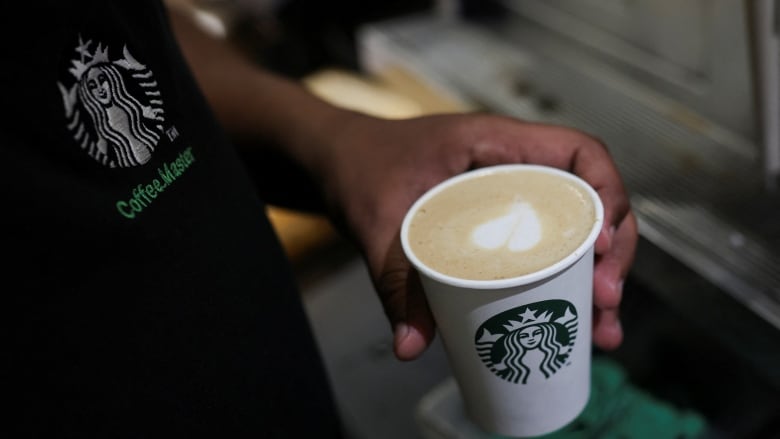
{"x":416,"y":332}
{"x":405,"y":305}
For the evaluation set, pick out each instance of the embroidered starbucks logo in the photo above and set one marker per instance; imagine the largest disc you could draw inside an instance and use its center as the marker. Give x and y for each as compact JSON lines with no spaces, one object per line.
{"x":114,"y":108}
{"x":531,"y":339}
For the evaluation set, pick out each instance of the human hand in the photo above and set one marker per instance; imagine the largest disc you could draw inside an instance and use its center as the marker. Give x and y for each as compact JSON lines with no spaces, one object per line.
{"x":379,"y":168}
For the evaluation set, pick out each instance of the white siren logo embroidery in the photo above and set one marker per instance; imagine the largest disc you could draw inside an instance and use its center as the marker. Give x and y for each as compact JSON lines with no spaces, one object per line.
{"x":530,"y":339}
{"x":114,"y":108}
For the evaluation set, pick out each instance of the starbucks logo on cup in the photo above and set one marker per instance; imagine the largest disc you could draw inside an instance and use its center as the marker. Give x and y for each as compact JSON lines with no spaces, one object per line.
{"x":531,"y":339}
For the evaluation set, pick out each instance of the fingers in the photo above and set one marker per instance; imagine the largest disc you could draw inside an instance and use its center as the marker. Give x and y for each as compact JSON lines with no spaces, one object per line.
{"x":616,"y":243}
{"x":613,"y":266}
{"x":607,"y":331}
{"x":593,"y":164}
{"x":610,"y":272}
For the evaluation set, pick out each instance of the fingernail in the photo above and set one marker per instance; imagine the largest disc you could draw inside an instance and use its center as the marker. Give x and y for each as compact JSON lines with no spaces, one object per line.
{"x":608,"y":233}
{"x":401,"y":331}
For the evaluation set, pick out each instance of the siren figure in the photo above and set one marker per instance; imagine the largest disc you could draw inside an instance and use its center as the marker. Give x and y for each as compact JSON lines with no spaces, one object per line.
{"x":116,"y":125}
{"x":506,"y":352}
{"x":117,"y":116}
{"x":517,"y":343}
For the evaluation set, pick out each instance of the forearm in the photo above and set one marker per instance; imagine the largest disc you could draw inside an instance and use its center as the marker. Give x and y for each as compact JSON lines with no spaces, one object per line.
{"x":257,"y":107}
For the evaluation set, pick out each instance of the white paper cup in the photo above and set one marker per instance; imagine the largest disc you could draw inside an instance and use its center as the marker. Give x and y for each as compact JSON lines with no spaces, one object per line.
{"x":508,"y":389}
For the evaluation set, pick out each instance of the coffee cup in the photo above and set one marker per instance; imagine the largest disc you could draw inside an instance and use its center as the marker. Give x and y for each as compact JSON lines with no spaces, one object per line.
{"x":505,"y":257}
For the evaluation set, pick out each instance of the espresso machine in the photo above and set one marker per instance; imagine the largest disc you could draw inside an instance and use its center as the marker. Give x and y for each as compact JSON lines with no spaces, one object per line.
{"x":686,"y":96}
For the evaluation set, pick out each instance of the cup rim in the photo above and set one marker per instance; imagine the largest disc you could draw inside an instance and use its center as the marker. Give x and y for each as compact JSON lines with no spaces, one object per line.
{"x":524,"y":279}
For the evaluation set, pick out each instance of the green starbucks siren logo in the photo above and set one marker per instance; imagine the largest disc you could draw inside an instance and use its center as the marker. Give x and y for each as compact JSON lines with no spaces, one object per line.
{"x":530,"y":339}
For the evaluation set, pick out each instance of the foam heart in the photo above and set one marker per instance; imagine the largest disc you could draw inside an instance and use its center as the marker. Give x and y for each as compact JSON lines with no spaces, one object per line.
{"x":518,"y":230}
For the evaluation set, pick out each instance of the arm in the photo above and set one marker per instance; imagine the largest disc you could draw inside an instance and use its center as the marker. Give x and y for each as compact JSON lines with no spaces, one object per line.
{"x":274,"y":122}
{"x":371,"y":170}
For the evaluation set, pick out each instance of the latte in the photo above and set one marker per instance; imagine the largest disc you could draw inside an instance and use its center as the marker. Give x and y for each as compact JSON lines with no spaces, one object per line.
{"x":501,"y":224}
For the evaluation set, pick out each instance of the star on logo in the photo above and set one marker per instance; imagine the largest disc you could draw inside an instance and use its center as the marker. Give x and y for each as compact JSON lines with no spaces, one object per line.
{"x":83,"y":48}
{"x":528,"y":315}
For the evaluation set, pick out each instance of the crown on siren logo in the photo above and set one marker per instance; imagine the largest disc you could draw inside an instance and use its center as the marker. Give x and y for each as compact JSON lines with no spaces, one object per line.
{"x":528,"y":317}
{"x":114,"y":108}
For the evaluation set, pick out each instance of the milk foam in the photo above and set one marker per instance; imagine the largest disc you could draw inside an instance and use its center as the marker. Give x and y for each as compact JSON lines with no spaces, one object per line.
{"x":501,"y":225}
{"x":518,"y":230}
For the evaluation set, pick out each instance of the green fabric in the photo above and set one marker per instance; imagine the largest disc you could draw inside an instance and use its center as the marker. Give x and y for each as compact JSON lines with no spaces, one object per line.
{"x":618,"y":410}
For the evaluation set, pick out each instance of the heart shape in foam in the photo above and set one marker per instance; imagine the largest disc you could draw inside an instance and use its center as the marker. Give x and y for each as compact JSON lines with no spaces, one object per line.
{"x":518,"y":230}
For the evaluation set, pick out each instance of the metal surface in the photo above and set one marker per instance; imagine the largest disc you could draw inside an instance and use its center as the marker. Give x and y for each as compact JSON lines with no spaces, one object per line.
{"x":697,"y":51}
{"x":697,"y":186}
{"x":767,"y":19}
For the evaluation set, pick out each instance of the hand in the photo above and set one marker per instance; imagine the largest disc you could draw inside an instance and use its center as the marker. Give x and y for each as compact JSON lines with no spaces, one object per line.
{"x":372,"y":171}
{"x":380,"y":167}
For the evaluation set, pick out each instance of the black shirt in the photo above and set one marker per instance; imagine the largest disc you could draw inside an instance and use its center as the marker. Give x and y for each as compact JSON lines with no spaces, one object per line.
{"x":146,"y":292}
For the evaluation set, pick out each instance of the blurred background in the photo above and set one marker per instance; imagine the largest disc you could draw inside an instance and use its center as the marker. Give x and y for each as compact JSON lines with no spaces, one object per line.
{"x":685,"y":95}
